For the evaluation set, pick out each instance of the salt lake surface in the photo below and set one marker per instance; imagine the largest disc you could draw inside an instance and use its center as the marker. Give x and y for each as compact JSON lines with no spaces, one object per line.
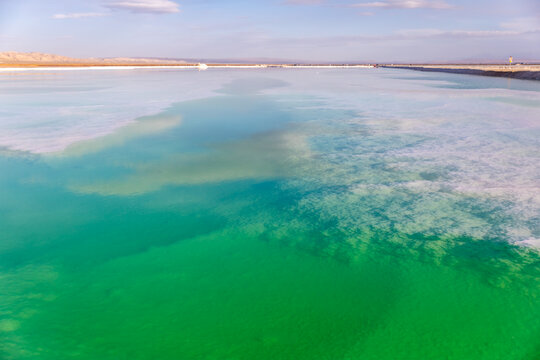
{"x":268,"y":214}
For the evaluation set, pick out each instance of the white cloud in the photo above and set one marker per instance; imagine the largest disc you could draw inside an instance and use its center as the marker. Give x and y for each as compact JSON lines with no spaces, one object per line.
{"x":78,"y":15}
{"x":422,"y":33}
{"x":524,"y":24}
{"x":303,"y":2}
{"x":145,"y":6}
{"x":406,"y":4}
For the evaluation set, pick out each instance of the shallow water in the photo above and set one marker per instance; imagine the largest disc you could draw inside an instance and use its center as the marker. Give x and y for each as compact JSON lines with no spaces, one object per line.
{"x":277,"y":213}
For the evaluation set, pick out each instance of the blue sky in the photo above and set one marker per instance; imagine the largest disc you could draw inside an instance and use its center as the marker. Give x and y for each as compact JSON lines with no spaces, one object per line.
{"x":315,"y":30}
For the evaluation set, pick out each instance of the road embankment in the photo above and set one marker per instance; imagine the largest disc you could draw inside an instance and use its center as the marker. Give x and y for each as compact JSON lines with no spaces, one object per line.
{"x":523,"y":72}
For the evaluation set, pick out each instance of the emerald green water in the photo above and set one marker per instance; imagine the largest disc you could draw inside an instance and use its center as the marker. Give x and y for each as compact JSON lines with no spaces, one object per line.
{"x":273,"y":214}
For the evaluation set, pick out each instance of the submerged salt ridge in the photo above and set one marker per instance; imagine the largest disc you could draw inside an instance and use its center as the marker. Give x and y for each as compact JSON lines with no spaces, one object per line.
{"x":46,"y":113}
{"x":394,"y":137}
{"x":442,"y":145}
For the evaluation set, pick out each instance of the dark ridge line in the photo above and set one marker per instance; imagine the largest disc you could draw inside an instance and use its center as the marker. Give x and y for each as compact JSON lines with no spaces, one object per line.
{"x":518,"y":74}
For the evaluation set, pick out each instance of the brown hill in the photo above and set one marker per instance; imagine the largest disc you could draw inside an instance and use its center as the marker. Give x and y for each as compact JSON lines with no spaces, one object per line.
{"x":21,"y":58}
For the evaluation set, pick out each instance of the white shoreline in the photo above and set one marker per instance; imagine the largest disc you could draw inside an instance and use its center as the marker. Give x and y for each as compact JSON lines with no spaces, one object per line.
{"x":194,"y":67}
{"x":75,"y":68}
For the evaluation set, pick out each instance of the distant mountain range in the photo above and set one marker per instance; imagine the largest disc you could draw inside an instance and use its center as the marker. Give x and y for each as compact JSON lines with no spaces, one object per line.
{"x":37,"y":58}
{"x":13,"y":57}
{"x":28,"y":58}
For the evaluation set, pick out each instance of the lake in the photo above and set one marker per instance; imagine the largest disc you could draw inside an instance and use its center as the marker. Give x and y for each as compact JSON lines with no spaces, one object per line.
{"x":268,"y":214}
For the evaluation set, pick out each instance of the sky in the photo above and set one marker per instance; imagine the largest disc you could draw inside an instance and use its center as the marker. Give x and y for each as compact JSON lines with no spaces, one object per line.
{"x":309,"y":30}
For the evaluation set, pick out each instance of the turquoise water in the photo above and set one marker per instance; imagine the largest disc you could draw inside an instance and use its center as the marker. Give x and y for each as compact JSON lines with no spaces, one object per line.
{"x":268,"y":214}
